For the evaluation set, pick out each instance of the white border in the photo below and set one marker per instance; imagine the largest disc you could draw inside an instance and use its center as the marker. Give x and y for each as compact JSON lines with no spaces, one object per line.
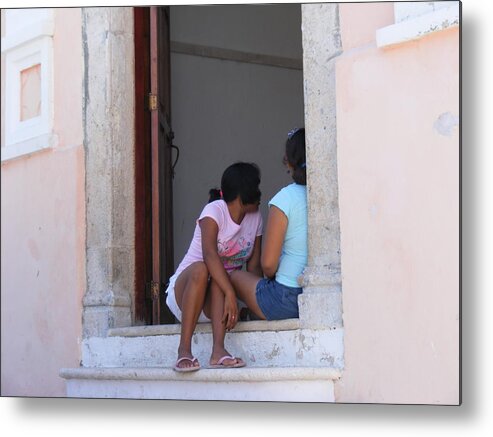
{"x":30,"y":146}
{"x":414,"y":28}
{"x":25,"y":46}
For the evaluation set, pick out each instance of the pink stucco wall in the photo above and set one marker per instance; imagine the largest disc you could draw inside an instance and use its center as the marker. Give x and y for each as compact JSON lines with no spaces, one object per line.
{"x":43,"y":238}
{"x":2,"y":85}
{"x":399,"y":212}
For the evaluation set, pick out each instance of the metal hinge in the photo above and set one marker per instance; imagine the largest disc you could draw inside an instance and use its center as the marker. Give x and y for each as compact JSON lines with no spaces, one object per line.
{"x":152,"y":104}
{"x":155,"y":290}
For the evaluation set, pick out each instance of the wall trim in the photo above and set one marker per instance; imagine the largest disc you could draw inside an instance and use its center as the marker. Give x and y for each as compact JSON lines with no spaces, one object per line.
{"x":235,"y":55}
{"x":415,"y":28}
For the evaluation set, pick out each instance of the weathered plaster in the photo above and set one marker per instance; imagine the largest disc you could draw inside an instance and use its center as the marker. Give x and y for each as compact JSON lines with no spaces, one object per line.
{"x":43,"y":236}
{"x":399,"y":209}
{"x":320,"y":303}
{"x":109,"y":145}
{"x":304,"y":348}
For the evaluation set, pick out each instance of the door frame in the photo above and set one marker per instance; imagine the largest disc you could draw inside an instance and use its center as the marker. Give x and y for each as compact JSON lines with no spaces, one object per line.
{"x":143,"y":224}
{"x":153,"y":204}
{"x":109,"y":145}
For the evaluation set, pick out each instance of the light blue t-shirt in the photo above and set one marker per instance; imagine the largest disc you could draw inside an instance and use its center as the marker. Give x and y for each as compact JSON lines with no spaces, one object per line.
{"x":294,"y":255}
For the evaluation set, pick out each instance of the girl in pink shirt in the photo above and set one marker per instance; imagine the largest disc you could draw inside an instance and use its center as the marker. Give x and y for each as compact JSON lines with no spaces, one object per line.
{"x":226,"y":237}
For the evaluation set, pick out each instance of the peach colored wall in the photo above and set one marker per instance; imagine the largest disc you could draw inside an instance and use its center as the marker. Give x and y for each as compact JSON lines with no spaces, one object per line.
{"x":399,"y":211}
{"x":43,"y":238}
{"x":2,"y":74}
{"x":359,"y":22}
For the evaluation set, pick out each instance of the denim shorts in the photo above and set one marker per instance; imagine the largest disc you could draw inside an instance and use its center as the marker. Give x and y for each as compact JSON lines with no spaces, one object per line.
{"x":277,"y":301}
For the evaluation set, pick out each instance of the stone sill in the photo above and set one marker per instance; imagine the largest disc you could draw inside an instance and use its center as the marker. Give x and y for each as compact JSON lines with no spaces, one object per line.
{"x":28,"y":147}
{"x":22,"y":36}
{"x":250,"y":326}
{"x":247,"y":374}
{"x":415,"y":28}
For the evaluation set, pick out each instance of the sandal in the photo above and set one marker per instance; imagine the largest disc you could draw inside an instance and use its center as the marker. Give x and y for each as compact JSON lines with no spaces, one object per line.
{"x":186,"y":369}
{"x":220,"y":363}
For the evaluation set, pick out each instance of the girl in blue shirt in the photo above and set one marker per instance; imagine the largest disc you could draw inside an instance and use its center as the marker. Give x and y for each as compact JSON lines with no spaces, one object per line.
{"x":285,"y":251}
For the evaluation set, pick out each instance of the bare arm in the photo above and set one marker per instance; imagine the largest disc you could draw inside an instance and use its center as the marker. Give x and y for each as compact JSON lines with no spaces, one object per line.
{"x":216,"y":269}
{"x":253,"y":264}
{"x":277,"y":224}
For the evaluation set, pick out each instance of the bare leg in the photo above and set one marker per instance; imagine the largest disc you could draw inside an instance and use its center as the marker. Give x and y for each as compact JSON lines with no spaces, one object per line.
{"x":213,"y":309}
{"x":190,"y":292}
{"x":245,"y":284}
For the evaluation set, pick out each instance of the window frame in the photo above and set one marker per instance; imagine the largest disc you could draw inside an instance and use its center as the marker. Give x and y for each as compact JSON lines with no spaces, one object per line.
{"x":25,"y":47}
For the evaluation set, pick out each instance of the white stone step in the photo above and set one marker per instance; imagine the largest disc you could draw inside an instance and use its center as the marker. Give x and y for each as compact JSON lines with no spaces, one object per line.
{"x":288,"y":384}
{"x":259,"y":343}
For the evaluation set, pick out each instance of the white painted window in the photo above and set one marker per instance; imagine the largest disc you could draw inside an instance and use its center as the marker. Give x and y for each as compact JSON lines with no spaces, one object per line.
{"x":28,"y":50}
{"x":413,"y":20}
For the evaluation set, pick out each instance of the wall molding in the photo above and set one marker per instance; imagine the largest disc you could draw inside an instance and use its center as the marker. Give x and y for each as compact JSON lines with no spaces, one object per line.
{"x":235,"y":55}
{"x":415,"y":28}
{"x":28,"y":33}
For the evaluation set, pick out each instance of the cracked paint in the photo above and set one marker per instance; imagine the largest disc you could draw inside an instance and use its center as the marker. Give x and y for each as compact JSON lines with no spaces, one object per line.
{"x":276,"y":351}
{"x":305,"y":346}
{"x":328,"y":359}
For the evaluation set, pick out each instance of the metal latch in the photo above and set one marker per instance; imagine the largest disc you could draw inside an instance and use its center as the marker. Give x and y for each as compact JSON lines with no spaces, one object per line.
{"x":152,"y":102}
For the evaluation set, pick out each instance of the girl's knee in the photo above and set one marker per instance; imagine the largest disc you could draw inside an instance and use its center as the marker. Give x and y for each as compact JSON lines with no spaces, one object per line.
{"x":199,"y":273}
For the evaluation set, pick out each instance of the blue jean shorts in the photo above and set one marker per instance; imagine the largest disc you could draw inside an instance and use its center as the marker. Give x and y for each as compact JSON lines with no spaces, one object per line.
{"x":277,"y":301}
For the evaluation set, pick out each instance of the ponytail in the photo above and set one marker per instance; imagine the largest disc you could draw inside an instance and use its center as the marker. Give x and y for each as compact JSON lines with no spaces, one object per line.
{"x":214,"y":194}
{"x":296,"y":154}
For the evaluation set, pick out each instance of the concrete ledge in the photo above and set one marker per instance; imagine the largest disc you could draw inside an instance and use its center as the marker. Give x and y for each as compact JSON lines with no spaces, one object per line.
{"x":247,"y":384}
{"x":250,"y":326}
{"x":204,"y":374}
{"x":412,"y":29}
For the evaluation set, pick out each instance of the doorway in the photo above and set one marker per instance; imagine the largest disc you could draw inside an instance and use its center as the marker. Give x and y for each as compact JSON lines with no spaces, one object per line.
{"x":235,"y":89}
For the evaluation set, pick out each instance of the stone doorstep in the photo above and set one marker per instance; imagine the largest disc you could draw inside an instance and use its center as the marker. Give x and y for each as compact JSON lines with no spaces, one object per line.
{"x":245,"y":374}
{"x":249,"y":326}
{"x":291,"y":384}
{"x":132,"y":348}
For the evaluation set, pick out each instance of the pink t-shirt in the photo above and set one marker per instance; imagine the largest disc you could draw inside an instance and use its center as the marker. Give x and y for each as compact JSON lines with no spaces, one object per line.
{"x":234,"y":242}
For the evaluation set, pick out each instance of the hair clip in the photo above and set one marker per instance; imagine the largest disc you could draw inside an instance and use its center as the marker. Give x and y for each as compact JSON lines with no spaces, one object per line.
{"x":292,"y":132}
{"x":221,"y":193}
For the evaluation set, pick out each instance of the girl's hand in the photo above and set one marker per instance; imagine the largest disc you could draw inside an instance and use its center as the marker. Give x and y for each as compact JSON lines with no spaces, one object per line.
{"x":230,"y":312}
{"x":216,"y":269}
